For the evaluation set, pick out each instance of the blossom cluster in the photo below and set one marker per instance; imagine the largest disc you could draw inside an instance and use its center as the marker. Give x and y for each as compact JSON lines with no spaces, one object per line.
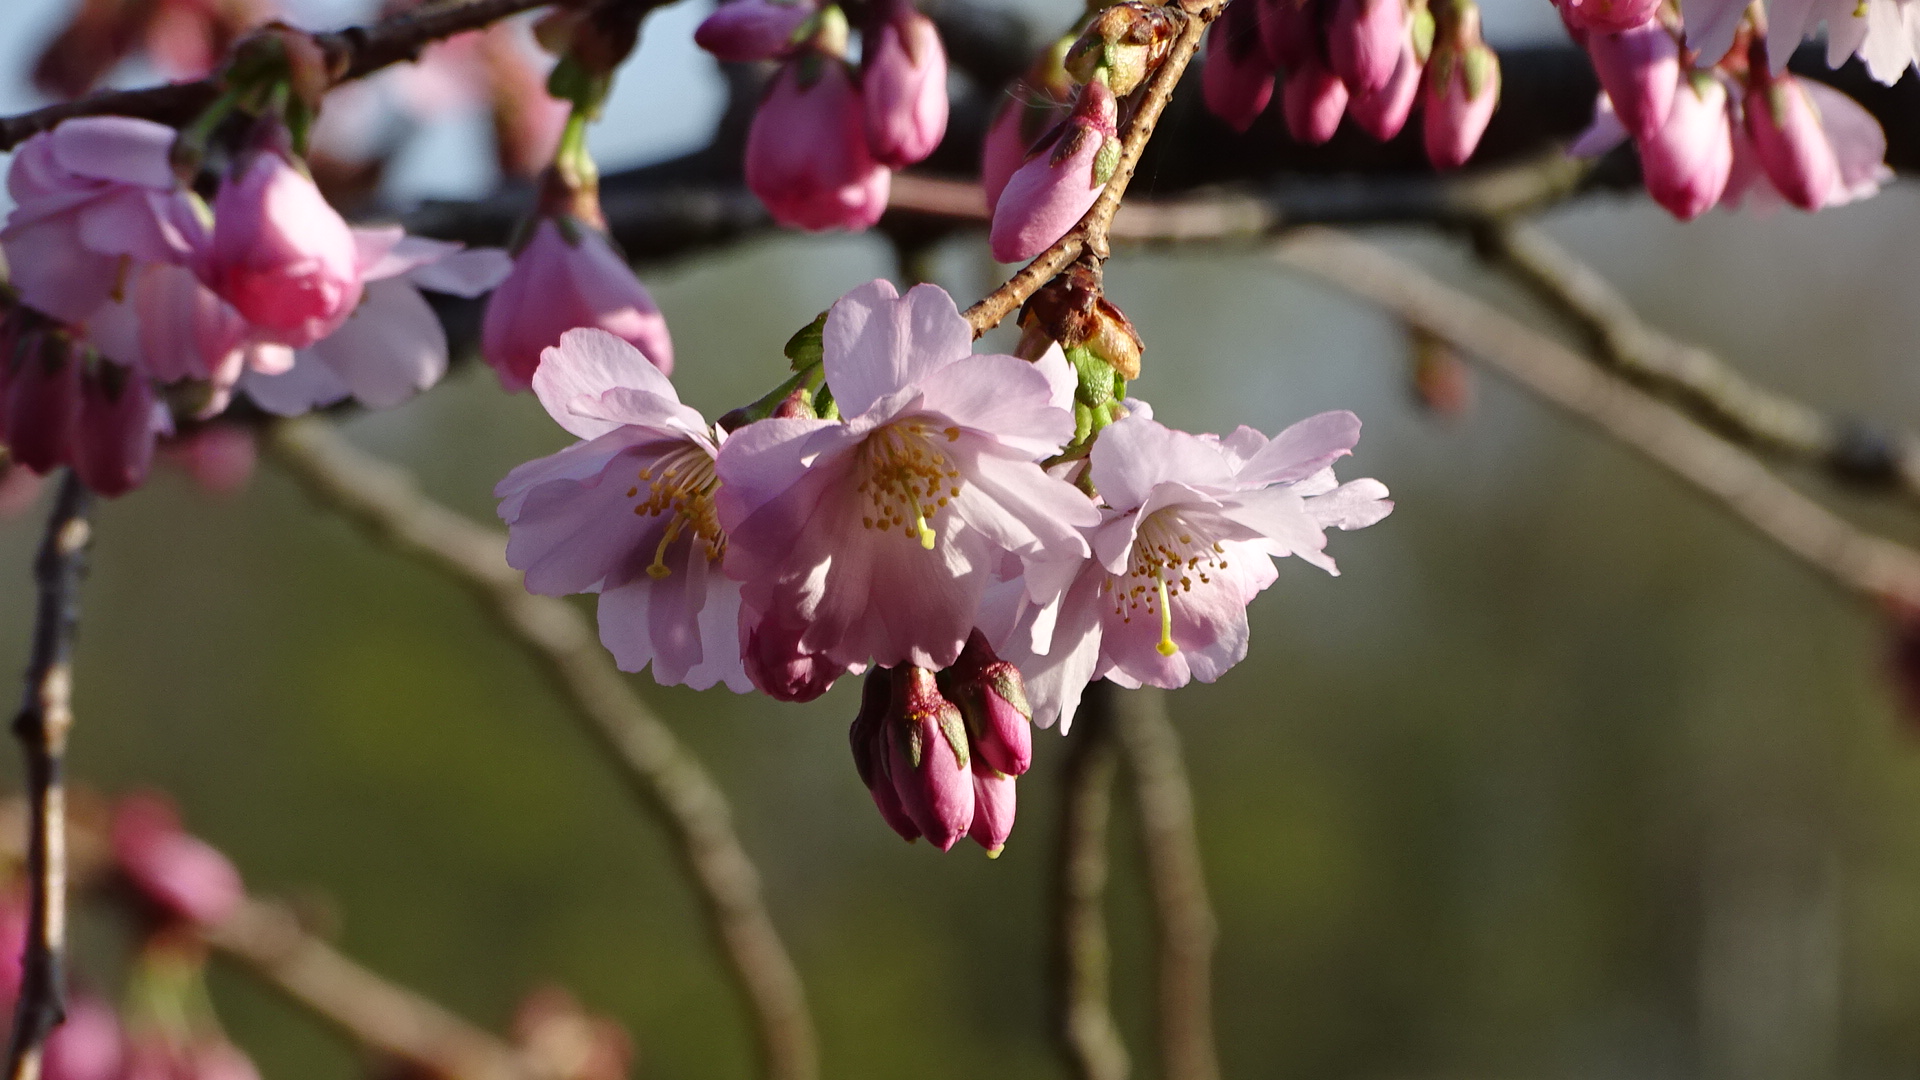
{"x":908,"y":509}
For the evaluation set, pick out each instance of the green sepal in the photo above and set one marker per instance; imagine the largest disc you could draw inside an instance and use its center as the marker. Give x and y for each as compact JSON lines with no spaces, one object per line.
{"x":1105,"y":161}
{"x":1422,"y":31}
{"x":1082,"y":423}
{"x":916,"y":747}
{"x":804,"y":347}
{"x":571,"y":81}
{"x":824,"y":406}
{"x":1482,"y":70}
{"x":1093,"y":376}
{"x":956,"y":733}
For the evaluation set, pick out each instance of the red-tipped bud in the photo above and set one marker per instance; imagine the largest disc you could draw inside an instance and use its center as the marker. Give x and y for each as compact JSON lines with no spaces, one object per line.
{"x":1639,"y":69}
{"x":1364,"y":40}
{"x":1687,"y":162}
{"x":993,"y":806}
{"x":115,"y":440}
{"x":993,"y":697}
{"x":927,"y":757}
{"x":748,"y":30}
{"x":1384,"y":112}
{"x":1062,"y":179}
{"x":1790,"y":141}
{"x":1237,"y":80}
{"x":41,"y":418}
{"x":1314,"y":99}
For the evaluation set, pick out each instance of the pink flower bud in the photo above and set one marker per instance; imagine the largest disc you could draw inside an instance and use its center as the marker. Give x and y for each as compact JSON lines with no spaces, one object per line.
{"x":41,"y":418}
{"x":88,"y":1045}
{"x":1607,"y":16}
{"x":807,"y":154}
{"x":1790,"y":141}
{"x":218,"y":457}
{"x":1024,"y":116}
{"x":868,"y":737}
{"x":567,"y":276}
{"x":1638,"y":69}
{"x":281,"y":256}
{"x":1463,"y":89}
{"x":1237,"y":80}
{"x":993,"y":807}
{"x":904,"y":85}
{"x":181,"y":874}
{"x":1289,"y":31}
{"x":1687,"y":162}
{"x":1364,"y":41}
{"x":1384,"y":112}
{"x":114,"y":447}
{"x":927,"y":757}
{"x":1314,"y":99}
{"x":993,"y":698}
{"x":749,"y":30}
{"x":1060,"y":181}
{"x":777,"y":665}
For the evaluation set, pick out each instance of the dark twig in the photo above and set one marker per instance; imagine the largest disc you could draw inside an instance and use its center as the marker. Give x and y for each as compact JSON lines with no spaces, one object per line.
{"x":351,"y":53}
{"x":46,"y":716}
{"x":1183,"y":916}
{"x":1858,"y":561}
{"x":1089,"y":1036}
{"x":1693,"y":378}
{"x":384,"y":500}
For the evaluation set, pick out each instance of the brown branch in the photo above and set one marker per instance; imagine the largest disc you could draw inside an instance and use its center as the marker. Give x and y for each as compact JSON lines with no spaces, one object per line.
{"x":1693,"y":378}
{"x":1082,"y":958}
{"x":268,"y":940}
{"x":45,"y":718}
{"x":1090,"y":235}
{"x":1858,"y":561}
{"x":351,"y":53}
{"x":1183,"y":915}
{"x":384,"y":500}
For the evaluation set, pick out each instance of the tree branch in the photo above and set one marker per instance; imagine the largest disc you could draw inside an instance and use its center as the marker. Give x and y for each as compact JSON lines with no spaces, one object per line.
{"x":383,"y":499}
{"x":1693,"y":378}
{"x":1089,"y":1036}
{"x":1859,"y":562}
{"x":351,"y":54}
{"x":45,"y":718}
{"x":1178,"y":883}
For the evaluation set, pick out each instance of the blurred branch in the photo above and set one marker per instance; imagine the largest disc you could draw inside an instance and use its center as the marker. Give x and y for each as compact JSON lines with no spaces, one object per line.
{"x":1178,"y":882}
{"x":384,"y":500}
{"x":1082,"y":956}
{"x":1089,"y":237}
{"x":378,"y":1014}
{"x":351,"y":53}
{"x":42,"y":725}
{"x":1693,"y":378}
{"x":1858,"y":561}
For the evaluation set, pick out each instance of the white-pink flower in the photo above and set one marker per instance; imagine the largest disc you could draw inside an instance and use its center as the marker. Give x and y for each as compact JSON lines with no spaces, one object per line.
{"x":1189,"y":530}
{"x":628,"y":512}
{"x":878,"y":534}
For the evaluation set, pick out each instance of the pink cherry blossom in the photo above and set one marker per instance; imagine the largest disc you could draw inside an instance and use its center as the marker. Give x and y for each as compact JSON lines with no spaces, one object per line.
{"x":807,"y":154}
{"x":1060,"y":181}
{"x":1188,"y":534}
{"x":182,"y":875}
{"x":1788,"y":141}
{"x":1859,"y":149}
{"x":877,"y":535}
{"x":994,"y":803}
{"x":743,"y":31}
{"x":1687,"y":162}
{"x":1384,"y":112}
{"x":1639,"y":70}
{"x":903,"y":83}
{"x":1313,"y":99}
{"x":281,"y":256}
{"x":1237,"y":79}
{"x":1364,"y":41}
{"x":567,"y":276}
{"x":927,"y":758}
{"x":628,"y":512}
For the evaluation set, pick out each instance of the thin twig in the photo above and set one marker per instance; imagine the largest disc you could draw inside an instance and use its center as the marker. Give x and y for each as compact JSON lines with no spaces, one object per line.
{"x":1694,"y":378}
{"x":269,"y":940}
{"x":1859,"y":562}
{"x":45,"y":718}
{"x":1090,"y":235}
{"x":1183,"y":916}
{"x":1082,"y":959}
{"x":384,"y":500}
{"x":351,"y":53}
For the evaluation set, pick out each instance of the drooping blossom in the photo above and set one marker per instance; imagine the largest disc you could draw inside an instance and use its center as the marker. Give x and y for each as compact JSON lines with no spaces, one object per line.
{"x":182,"y":876}
{"x":1237,"y":78}
{"x":1789,"y":141}
{"x":1462,"y":91}
{"x":743,"y":31}
{"x":629,"y":513}
{"x":807,"y":155}
{"x":88,"y":1044}
{"x":1189,"y":530}
{"x":1313,"y":99}
{"x":568,"y":275}
{"x":281,"y":255}
{"x":1364,"y":41}
{"x":1607,"y":16}
{"x":1857,"y":142}
{"x":117,"y":423}
{"x":1639,"y":71}
{"x":1384,"y":112}
{"x":1687,"y":162}
{"x":903,"y":84}
{"x":873,"y":538}
{"x":1061,"y":180}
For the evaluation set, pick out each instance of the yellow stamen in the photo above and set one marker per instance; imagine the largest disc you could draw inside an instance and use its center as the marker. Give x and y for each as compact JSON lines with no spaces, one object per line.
{"x":658,"y":568}
{"x":1166,"y":646}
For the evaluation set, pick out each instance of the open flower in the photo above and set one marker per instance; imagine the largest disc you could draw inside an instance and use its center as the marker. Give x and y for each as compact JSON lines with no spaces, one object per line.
{"x":1188,"y":534}
{"x":876,"y":536}
{"x":628,"y":512}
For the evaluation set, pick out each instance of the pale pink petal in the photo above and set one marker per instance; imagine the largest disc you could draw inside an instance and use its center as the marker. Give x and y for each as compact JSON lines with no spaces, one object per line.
{"x":877,"y":342}
{"x":587,"y":363}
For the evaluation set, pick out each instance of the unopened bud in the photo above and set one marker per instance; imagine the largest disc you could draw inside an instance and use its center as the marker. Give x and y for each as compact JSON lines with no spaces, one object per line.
{"x":114,"y":447}
{"x":993,"y":807}
{"x":1313,"y":99}
{"x":1639,"y":69}
{"x":1128,"y":41}
{"x":868,"y":738}
{"x":1364,"y":41}
{"x":1036,"y":103}
{"x":1463,"y":89}
{"x":1237,"y":81}
{"x":1790,"y":140}
{"x":1687,"y":162}
{"x":993,"y":698}
{"x":927,"y":757}
{"x":40,"y":418}
{"x":1290,"y":32}
{"x":1062,"y":179}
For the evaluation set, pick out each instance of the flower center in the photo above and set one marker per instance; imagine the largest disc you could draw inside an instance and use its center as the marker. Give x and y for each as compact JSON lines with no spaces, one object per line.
{"x":681,"y":483}
{"x":1168,"y":555}
{"x":907,"y":479}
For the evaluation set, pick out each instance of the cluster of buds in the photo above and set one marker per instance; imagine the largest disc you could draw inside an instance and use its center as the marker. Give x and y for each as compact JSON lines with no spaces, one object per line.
{"x":1051,"y":150}
{"x":62,"y":403}
{"x":1738,"y":128}
{"x":940,"y":753}
{"x":822,"y":147}
{"x":1373,"y":60}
